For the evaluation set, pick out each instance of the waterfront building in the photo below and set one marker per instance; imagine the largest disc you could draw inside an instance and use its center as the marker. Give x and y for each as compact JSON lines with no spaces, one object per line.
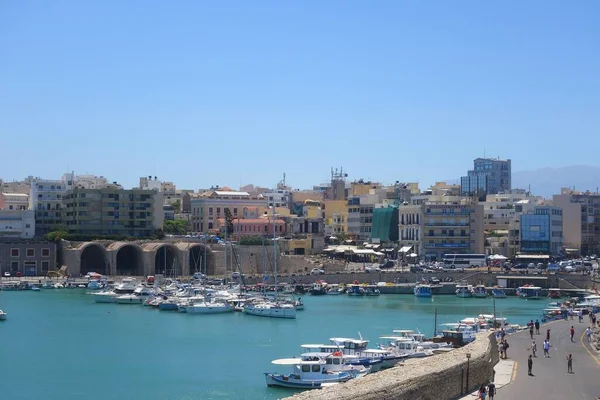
{"x":353,"y":224}
{"x":278,"y":198}
{"x":336,"y":217}
{"x":581,"y":220}
{"x":28,"y":258}
{"x":252,"y":227}
{"x":305,"y":236}
{"x":45,"y":199}
{"x":87,"y":181}
{"x":22,"y":187}
{"x":541,"y":230}
{"x":14,"y":201}
{"x":17,"y":224}
{"x":113,"y":211}
{"x":409,"y":221}
{"x":488,"y":176}
{"x":169,"y":212}
{"x":210,"y":206}
{"x":385,"y":225}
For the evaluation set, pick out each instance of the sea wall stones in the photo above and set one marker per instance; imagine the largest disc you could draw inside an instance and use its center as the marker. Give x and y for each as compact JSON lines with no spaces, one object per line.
{"x":440,"y":377}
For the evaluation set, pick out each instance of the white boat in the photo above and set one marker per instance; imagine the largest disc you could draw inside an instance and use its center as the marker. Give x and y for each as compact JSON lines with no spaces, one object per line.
{"x":209,"y":308}
{"x":299,"y":304}
{"x":305,"y":374}
{"x":480,"y":291}
{"x":127,"y":285}
{"x":94,"y":285}
{"x":404,"y":346}
{"x":459,"y":334}
{"x":422,"y":290}
{"x":353,"y":350}
{"x":107,"y":296}
{"x":355,"y":290}
{"x":371,"y":290}
{"x":335,"y":289}
{"x":139,"y":295}
{"x":35,"y":288}
{"x":271,"y":309}
{"x":529,"y":292}
{"x":2,"y":315}
{"x":464,"y":290}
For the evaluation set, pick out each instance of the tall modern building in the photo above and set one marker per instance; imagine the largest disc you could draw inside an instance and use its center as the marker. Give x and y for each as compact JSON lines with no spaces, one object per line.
{"x":581,"y":220}
{"x":488,"y":176}
{"x":45,"y":199}
{"x":541,"y":230}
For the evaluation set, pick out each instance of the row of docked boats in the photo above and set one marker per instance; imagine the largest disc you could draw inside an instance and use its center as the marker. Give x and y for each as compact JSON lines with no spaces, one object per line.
{"x":423,"y":289}
{"x":322,"y":365}
{"x":199,"y":299}
{"x":355,"y":289}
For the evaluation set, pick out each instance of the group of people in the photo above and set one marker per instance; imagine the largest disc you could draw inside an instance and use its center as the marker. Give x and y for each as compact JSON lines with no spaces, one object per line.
{"x":485,"y":391}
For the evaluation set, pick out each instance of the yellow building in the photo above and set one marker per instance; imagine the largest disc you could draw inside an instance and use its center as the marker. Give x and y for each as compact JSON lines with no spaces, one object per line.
{"x":363,"y":188}
{"x":336,"y":216}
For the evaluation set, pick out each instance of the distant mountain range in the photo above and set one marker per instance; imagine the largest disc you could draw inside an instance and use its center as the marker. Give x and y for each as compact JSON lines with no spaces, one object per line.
{"x":548,"y":181}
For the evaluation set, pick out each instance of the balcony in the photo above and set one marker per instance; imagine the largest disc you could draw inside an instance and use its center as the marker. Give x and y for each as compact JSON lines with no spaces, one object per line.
{"x":446,"y":245}
{"x":447,"y":224}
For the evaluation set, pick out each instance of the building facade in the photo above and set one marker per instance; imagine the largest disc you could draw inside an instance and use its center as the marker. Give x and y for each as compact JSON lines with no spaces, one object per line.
{"x":278,"y":198}
{"x":210,"y":206}
{"x":29,"y":258}
{"x":113,"y":211}
{"x":14,"y":201}
{"x":17,"y":224}
{"x":45,"y":198}
{"x":488,"y":176}
{"x":581,"y":220}
{"x":409,"y":235}
{"x":541,"y":230}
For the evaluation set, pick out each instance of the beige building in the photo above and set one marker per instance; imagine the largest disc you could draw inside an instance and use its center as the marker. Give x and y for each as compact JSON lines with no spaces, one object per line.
{"x":14,"y":201}
{"x":113,"y":211}
{"x":209,"y":206}
{"x":581,"y":220}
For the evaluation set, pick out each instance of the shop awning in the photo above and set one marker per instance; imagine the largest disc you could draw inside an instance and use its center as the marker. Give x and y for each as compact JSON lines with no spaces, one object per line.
{"x":405,"y":249}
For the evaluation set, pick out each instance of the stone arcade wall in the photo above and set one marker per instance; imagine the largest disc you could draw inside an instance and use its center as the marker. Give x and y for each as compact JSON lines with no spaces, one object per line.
{"x":440,"y":377}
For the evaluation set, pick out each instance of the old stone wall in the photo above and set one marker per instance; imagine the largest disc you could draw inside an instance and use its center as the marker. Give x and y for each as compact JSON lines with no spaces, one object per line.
{"x":443,"y":376}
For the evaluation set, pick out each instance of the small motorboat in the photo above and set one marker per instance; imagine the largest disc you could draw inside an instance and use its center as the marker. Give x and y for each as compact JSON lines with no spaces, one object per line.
{"x":305,"y":374}
{"x":422,"y":290}
{"x":2,"y":315}
{"x":35,"y":288}
{"x":498,"y":293}
{"x":299,"y":304}
{"x":480,"y":291}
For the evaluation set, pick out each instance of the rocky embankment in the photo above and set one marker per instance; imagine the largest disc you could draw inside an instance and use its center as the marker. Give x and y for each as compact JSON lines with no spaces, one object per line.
{"x":444,"y":376}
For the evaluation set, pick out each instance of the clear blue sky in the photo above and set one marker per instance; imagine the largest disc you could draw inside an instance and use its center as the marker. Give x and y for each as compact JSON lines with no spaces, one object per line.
{"x":224,"y":92}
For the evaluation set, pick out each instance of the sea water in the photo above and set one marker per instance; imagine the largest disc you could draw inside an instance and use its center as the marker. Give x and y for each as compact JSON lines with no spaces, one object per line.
{"x":60,"y":345}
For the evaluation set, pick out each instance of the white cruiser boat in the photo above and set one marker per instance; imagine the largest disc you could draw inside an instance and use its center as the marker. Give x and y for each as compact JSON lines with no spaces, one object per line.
{"x":209,"y":308}
{"x":403,"y":346}
{"x":270,"y":309}
{"x":480,"y":291}
{"x":127,"y":285}
{"x":139,"y":295}
{"x":2,"y":315}
{"x":106,"y":296}
{"x":464,"y":290}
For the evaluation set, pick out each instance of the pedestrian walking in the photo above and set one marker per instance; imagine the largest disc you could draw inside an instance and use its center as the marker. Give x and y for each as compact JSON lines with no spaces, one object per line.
{"x":572,"y":333}
{"x":546,"y":346}
{"x":505,"y":347}
{"x":548,"y":335}
{"x":537,"y":327}
{"x":570,"y":364}
{"x":482,"y":392}
{"x":530,"y":366}
{"x":531,"y":330}
{"x":580,"y":315}
{"x":534,"y":348}
{"x":588,"y":333}
{"x":502,"y":334}
{"x":491,"y":390}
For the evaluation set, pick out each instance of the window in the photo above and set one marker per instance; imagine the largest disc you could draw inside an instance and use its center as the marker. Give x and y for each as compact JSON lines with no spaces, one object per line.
{"x":14,"y":252}
{"x":45,"y":266}
{"x":30,"y":252}
{"x":306,"y":368}
{"x":45,"y":252}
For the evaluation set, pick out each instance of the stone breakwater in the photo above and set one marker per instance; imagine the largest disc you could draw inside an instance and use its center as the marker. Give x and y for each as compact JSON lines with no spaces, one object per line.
{"x":440,"y":377}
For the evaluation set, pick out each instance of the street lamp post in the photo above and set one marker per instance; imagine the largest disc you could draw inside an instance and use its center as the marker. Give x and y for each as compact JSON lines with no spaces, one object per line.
{"x":468,"y":365}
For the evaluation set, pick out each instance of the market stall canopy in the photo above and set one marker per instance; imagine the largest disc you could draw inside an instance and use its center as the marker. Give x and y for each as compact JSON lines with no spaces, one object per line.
{"x":405,"y":249}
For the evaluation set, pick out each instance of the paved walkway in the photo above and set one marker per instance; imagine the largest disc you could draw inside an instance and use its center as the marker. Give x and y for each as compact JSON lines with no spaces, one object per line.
{"x":550,"y":380}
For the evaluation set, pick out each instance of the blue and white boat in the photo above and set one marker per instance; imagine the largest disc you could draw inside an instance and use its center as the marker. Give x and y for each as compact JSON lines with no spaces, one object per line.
{"x":529,"y":292}
{"x":305,"y":374}
{"x":463,"y":290}
{"x":422,"y":290}
{"x":498,"y":293}
{"x":371,"y":290}
{"x":355,"y":290}
{"x":349,"y":358}
{"x":480,"y":291}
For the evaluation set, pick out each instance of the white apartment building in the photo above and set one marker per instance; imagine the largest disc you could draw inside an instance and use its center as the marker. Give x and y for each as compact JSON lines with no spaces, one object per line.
{"x":87,"y":181}
{"x":278,"y":198}
{"x":45,"y":198}
{"x":14,"y":201}
{"x":17,"y":224}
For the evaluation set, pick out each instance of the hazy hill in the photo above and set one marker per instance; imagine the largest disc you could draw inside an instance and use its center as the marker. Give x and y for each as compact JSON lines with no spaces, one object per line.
{"x":549,"y":181}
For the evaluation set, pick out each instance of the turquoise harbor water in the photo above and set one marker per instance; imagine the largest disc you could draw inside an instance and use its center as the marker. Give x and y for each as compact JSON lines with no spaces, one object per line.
{"x":60,"y":345}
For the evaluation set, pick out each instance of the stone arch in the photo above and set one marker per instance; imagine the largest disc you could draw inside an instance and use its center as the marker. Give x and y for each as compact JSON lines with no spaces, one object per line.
{"x":129,"y":259}
{"x":93,"y":258}
{"x":193,"y":259}
{"x":165,"y":258}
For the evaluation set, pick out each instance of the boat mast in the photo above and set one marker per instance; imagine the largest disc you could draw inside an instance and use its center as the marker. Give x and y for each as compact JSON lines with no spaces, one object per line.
{"x":204,"y":256}
{"x":274,"y":252}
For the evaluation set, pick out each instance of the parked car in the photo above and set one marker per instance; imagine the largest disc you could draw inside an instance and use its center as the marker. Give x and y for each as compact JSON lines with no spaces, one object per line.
{"x":7,"y":274}
{"x":388,"y":264}
{"x":373,"y":268}
{"x":434,"y":281}
{"x":235,"y":275}
{"x":317,"y":271}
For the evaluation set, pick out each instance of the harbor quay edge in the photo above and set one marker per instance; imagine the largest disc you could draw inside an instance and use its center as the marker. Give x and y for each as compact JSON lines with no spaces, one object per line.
{"x":446,"y":376}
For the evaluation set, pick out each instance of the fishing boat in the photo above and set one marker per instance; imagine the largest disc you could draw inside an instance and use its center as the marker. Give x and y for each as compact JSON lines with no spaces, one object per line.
{"x":371,"y":290}
{"x":2,"y":315}
{"x":305,"y":374}
{"x":498,"y":293}
{"x":463,"y":290}
{"x":209,"y":308}
{"x":319,"y":288}
{"x":404,"y":346}
{"x":422,"y":290}
{"x":335,"y":289}
{"x":554,"y":293}
{"x":355,"y":290}
{"x":351,"y":357}
{"x":458,"y":334}
{"x":480,"y":291}
{"x":529,"y":292}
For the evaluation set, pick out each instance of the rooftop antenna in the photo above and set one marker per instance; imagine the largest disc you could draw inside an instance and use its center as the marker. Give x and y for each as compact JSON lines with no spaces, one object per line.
{"x":484,"y":152}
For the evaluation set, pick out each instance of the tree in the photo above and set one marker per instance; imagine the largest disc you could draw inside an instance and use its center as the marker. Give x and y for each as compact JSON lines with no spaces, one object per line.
{"x":57,"y":233}
{"x":177,"y":206}
{"x":176,"y":227}
{"x":228,"y":222}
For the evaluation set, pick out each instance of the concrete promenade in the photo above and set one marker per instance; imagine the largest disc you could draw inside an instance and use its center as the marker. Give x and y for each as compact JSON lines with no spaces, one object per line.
{"x":550,"y":379}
